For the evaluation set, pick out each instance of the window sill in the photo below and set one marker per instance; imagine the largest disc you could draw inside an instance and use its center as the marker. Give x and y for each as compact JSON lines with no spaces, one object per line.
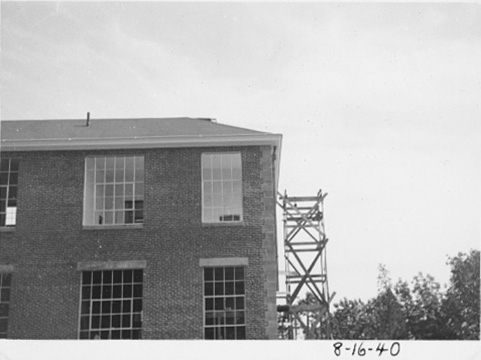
{"x":7,"y":229}
{"x":223,"y":224}
{"x":112,"y":227}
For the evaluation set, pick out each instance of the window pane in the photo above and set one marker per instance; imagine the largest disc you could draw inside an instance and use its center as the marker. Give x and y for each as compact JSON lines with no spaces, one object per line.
{"x":112,"y":188}
{"x":115,"y":318}
{"x":221,"y":308}
{"x":8,"y":192}
{"x":222,"y":190}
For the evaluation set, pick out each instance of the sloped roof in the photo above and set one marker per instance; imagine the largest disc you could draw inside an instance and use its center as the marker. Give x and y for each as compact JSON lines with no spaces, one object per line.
{"x":25,"y":135}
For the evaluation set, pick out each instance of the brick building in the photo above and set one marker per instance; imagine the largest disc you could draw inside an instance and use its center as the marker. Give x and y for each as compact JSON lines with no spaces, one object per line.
{"x":137,"y":228}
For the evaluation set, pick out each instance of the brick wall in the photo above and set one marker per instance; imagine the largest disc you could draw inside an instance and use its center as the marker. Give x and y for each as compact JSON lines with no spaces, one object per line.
{"x":49,"y":241}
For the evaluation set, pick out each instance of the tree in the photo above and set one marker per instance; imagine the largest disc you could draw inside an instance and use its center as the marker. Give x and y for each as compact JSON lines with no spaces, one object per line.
{"x":419,"y":310}
{"x":461,"y":305}
{"x":421,"y":307}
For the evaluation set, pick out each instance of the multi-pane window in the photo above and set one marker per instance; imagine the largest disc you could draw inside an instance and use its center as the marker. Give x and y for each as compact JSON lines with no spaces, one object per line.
{"x":8,"y":191}
{"x":221,"y":187}
{"x":5,"y":285}
{"x":111,"y":304}
{"x":224,"y":303}
{"x":114,"y":190}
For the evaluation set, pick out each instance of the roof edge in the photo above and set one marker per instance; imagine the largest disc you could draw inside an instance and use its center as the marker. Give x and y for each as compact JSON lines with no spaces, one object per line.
{"x":140,"y":142}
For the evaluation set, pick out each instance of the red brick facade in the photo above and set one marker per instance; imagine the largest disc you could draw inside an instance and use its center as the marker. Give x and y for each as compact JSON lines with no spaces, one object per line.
{"x":49,"y":242}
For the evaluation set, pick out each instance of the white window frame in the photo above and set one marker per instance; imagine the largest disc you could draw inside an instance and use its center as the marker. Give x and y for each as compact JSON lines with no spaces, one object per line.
{"x":5,"y":297}
{"x":116,"y":300}
{"x":222,"y":194}
{"x":122,"y":201}
{"x":233,"y":304}
{"x":10,"y":212}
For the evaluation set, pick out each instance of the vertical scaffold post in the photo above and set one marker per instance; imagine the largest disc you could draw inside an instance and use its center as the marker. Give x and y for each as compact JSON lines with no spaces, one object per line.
{"x":306,"y":266}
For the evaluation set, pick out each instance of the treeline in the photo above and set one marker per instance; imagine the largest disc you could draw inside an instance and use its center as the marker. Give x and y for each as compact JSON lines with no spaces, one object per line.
{"x":419,"y":310}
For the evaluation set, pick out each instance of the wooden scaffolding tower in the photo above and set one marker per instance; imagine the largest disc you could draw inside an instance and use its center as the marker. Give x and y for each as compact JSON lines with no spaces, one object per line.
{"x":307,"y":293}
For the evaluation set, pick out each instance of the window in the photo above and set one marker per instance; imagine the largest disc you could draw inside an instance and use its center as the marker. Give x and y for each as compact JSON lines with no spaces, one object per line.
{"x":111,"y":305}
{"x":224,"y":303}
{"x":114,"y":190}
{"x":5,"y":285}
{"x":222,"y":187}
{"x":8,"y":191}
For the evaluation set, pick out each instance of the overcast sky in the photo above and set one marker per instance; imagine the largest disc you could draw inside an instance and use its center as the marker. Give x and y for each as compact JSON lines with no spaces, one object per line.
{"x":378,"y":104}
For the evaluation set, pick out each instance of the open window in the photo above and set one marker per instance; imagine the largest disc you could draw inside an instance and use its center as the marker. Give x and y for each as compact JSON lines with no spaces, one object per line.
{"x":221,"y":187}
{"x":8,"y":192}
{"x":114,"y":190}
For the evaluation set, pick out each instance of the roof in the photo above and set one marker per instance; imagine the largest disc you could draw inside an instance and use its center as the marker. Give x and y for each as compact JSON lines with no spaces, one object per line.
{"x":25,"y":135}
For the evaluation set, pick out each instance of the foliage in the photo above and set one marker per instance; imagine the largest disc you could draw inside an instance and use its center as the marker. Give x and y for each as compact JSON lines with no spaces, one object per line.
{"x":461,"y":305}
{"x":419,"y":310}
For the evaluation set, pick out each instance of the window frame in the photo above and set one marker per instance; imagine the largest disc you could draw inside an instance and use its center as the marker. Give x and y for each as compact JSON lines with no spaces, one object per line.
{"x":6,"y":303}
{"x":204,"y":181}
{"x":8,"y":189}
{"x":90,"y":299}
{"x":223,"y":297}
{"x":89,"y":216}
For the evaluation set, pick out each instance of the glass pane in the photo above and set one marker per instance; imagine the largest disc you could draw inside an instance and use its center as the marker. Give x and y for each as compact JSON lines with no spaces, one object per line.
{"x":86,"y":277}
{"x":117,"y":291}
{"x":219,"y":288}
{"x":119,"y":217}
{"x":100,"y":163}
{"x":97,"y":277}
{"x":106,"y":292}
{"x":86,"y":292}
{"x":239,"y":287}
{"x":109,"y":203}
{"x":4,"y":165}
{"x":109,"y":217}
{"x":116,"y":306}
{"x":100,"y":176}
{"x":138,"y":276}
{"x":96,"y":307}
{"x":239,"y":302}
{"x":239,"y":273}
{"x":137,"y":290}
{"x":229,"y":288}
{"x":230,"y":303}
{"x":241,"y":332}
{"x":127,"y":291}
{"x":109,"y":162}
{"x":119,"y":190}
{"x":127,"y":276}
{"x":119,"y":163}
{"x":209,"y":304}
{"x":96,"y":292}
{"x":208,"y":274}
{"x":137,"y":305}
{"x":208,"y":289}
{"x":109,"y":190}
{"x":117,"y":276}
{"x":119,"y":176}
{"x":126,"y":320}
{"x":139,"y":190}
{"x":209,"y":334}
{"x":116,"y":321}
{"x":219,"y":304}
{"x":126,"y":306}
{"x":219,"y":273}
{"x":106,"y":307}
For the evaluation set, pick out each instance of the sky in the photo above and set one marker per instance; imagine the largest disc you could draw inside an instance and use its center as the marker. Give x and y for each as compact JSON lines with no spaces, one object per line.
{"x":378,"y":104}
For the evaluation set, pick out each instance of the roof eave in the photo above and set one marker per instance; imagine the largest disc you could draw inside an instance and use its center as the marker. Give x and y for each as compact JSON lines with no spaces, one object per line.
{"x":140,"y":142}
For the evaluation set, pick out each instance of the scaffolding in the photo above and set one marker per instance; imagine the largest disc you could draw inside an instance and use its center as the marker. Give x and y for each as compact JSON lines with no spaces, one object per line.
{"x":307,"y":296}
